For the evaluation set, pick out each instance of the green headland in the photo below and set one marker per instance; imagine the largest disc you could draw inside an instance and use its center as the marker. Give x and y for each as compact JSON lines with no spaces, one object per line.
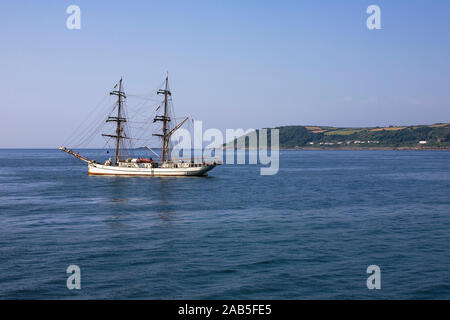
{"x":417,"y":137}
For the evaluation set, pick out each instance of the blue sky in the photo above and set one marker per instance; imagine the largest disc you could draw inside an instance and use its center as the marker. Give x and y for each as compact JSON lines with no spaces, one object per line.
{"x":232,"y":64}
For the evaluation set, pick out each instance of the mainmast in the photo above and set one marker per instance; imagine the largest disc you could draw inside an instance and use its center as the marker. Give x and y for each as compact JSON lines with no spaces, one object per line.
{"x":119,"y":119}
{"x":165,"y":119}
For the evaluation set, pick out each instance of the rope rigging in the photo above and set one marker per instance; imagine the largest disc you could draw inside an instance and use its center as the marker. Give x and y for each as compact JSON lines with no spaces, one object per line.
{"x":133,"y":120}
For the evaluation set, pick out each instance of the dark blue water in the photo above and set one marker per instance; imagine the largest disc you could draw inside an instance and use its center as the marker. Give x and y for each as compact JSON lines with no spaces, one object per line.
{"x":308,"y":232}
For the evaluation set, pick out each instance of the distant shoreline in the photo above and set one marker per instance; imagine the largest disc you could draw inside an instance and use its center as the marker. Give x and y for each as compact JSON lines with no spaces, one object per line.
{"x":286,"y":149}
{"x":370,"y":149}
{"x":355,"y":149}
{"x":298,"y":137}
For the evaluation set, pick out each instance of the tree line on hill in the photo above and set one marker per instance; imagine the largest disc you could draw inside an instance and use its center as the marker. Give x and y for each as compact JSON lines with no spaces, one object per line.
{"x":423,"y":136}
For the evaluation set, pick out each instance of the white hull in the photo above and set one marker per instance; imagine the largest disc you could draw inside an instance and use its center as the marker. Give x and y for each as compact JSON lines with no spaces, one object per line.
{"x":99,"y":169}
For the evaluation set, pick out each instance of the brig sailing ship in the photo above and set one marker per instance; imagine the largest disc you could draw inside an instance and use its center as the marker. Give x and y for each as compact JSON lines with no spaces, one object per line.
{"x":144,"y":166}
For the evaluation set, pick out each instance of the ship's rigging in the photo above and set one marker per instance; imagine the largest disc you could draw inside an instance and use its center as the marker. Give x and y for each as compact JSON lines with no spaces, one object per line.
{"x":165,"y":119}
{"x":122,"y":137}
{"x":119,"y":119}
{"x":150,"y":117}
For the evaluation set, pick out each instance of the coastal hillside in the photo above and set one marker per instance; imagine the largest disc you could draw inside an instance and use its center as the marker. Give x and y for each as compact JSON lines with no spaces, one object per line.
{"x":436,"y":136}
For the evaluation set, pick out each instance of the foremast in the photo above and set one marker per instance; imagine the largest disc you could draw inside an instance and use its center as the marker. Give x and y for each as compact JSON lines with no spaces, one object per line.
{"x":119,"y":119}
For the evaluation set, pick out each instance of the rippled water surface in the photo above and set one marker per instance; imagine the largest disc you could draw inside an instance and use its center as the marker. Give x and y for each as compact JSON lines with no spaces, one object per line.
{"x":308,"y":232}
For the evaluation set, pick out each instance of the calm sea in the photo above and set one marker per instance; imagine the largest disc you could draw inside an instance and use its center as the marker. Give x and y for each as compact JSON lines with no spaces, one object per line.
{"x":308,"y":232}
